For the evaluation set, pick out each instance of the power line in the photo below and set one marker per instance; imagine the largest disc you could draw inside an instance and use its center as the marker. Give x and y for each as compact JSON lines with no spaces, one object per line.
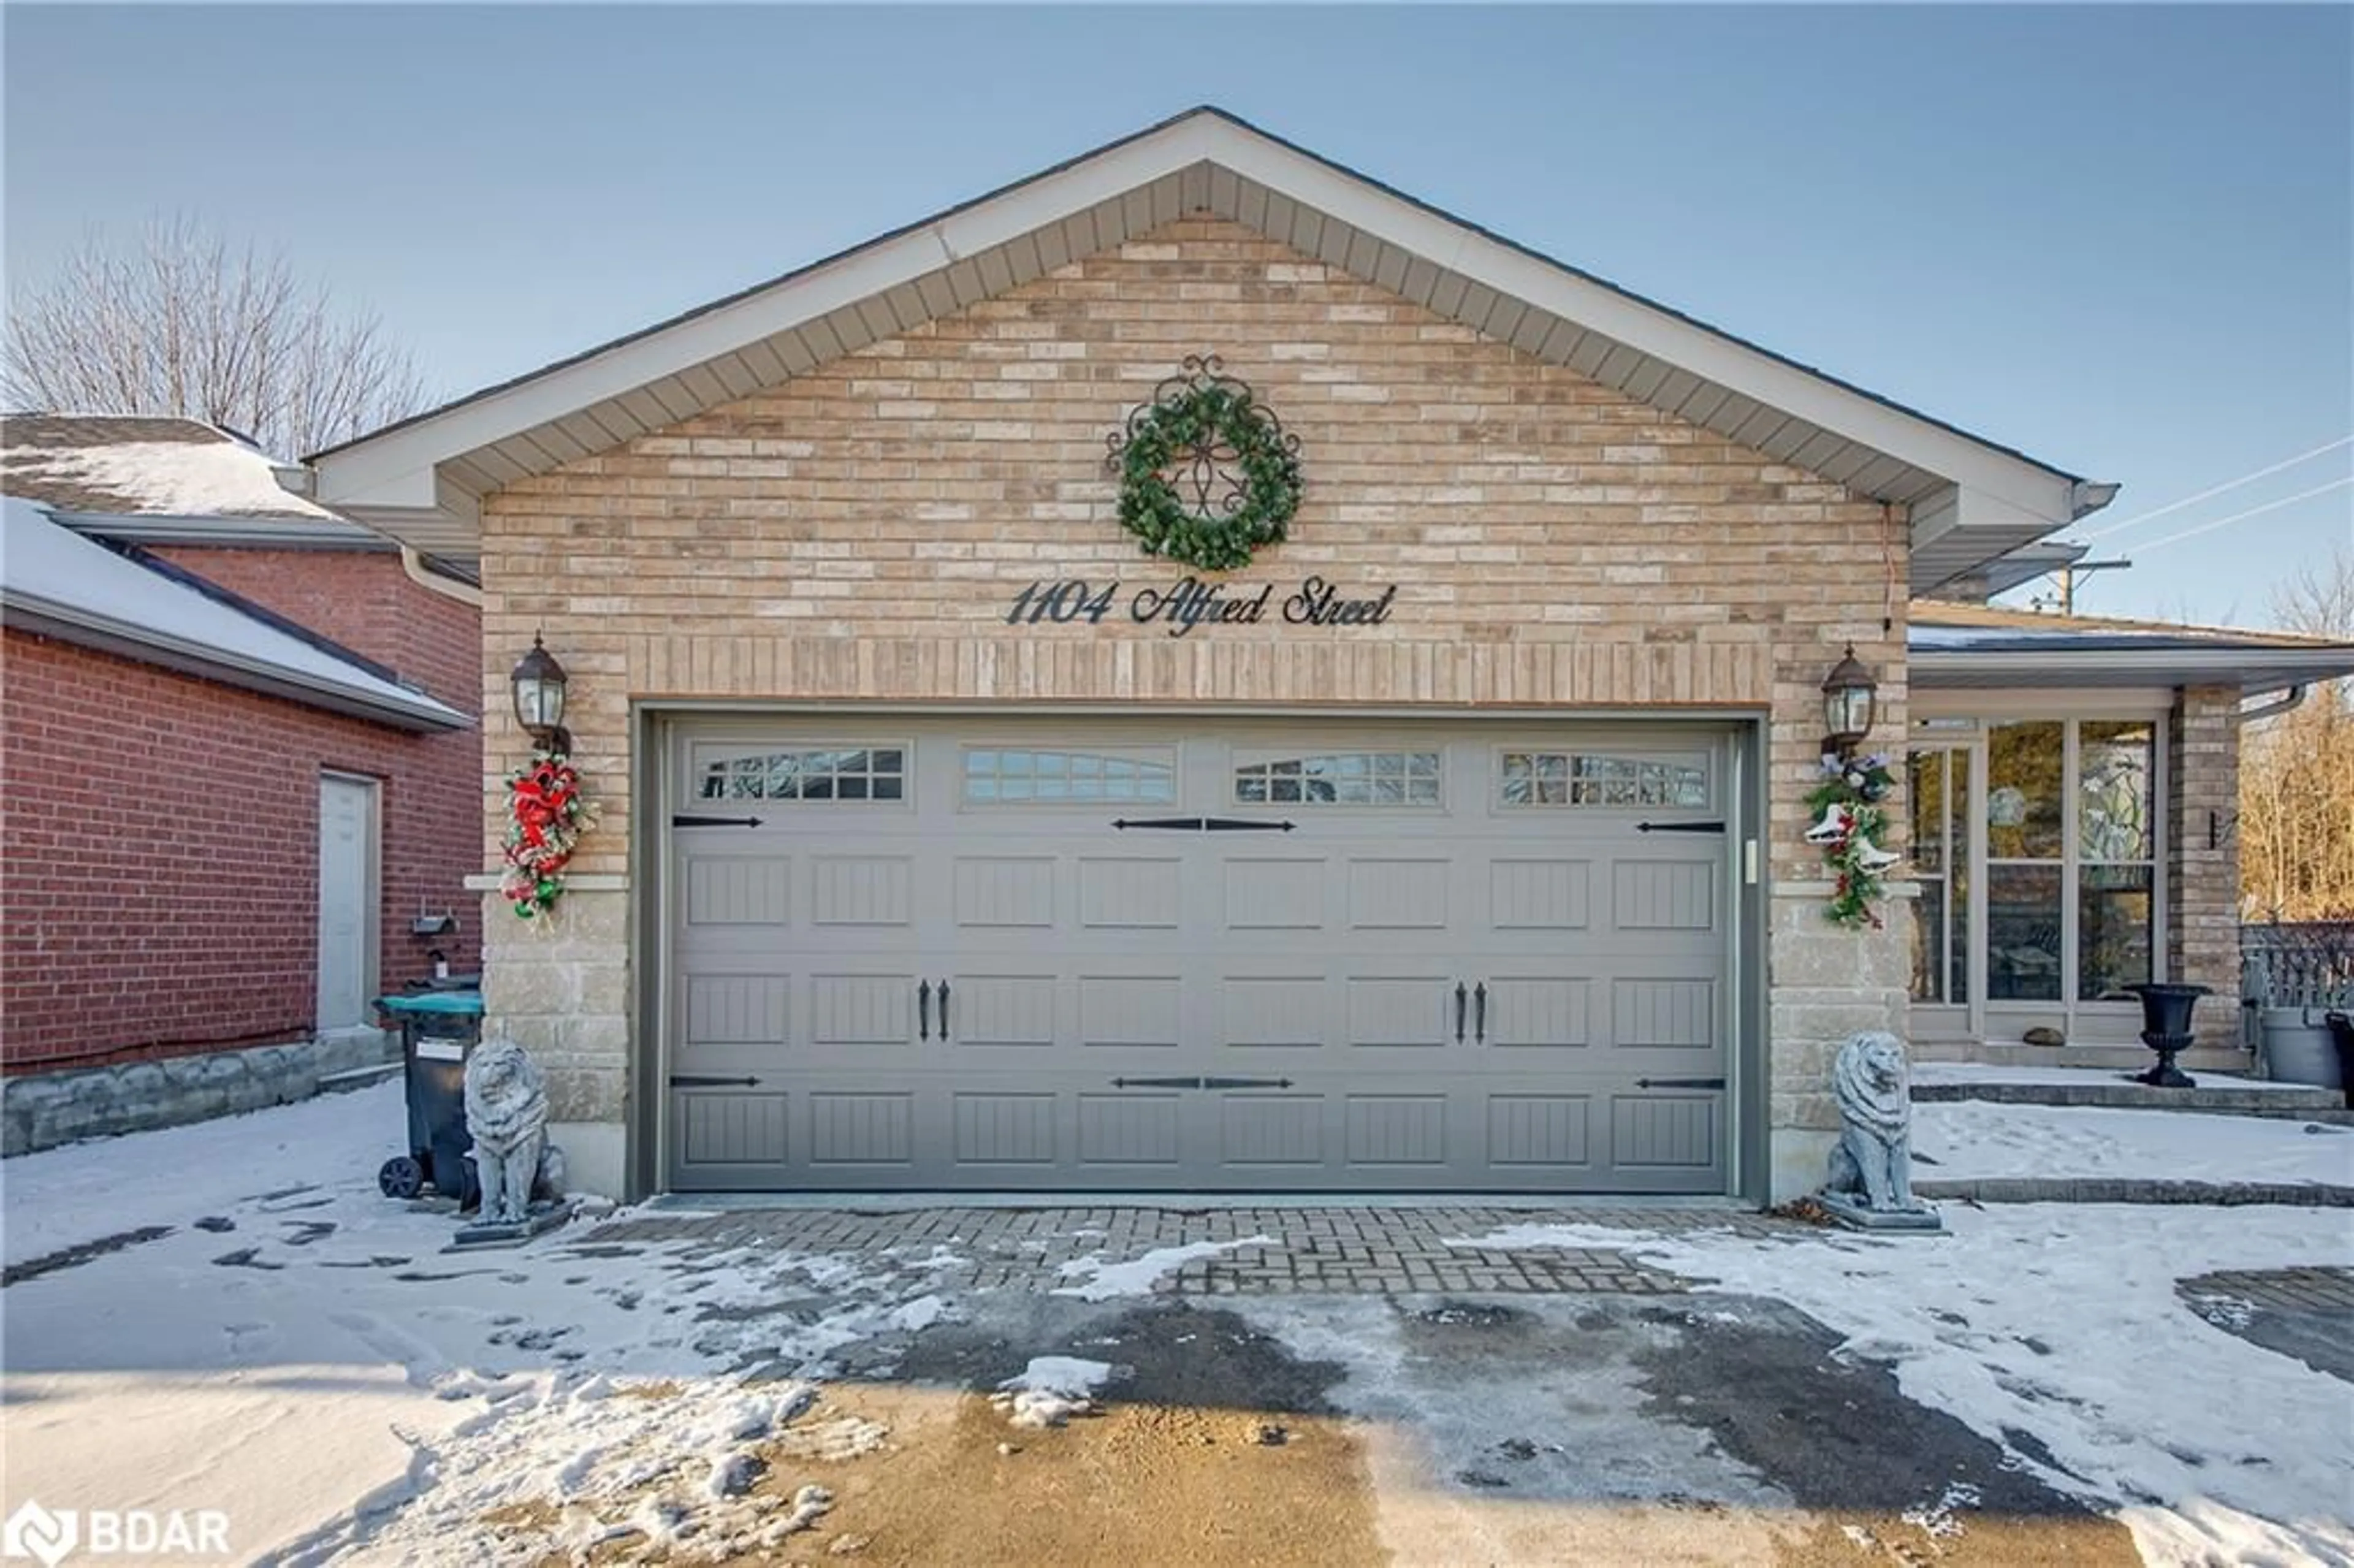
{"x":2251,"y":512}
{"x":2230,"y":484}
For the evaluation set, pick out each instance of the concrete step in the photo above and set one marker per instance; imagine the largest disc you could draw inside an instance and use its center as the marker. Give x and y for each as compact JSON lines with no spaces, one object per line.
{"x":2120,"y":1057}
{"x":2215,"y":1094}
{"x":2133,"y":1190}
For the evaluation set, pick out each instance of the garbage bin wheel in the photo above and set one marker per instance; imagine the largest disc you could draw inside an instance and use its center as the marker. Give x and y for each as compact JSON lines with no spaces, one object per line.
{"x":401,"y":1177}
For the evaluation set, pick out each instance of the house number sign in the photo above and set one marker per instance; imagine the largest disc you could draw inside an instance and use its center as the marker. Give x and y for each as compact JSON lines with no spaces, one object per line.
{"x":1189,"y":602}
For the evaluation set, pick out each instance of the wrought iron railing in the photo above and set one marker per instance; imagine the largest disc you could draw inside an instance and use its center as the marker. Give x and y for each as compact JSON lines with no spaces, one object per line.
{"x":2308,"y":964}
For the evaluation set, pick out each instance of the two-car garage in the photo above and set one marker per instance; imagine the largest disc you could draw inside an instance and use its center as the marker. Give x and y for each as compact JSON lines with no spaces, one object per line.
{"x":1187,"y":954}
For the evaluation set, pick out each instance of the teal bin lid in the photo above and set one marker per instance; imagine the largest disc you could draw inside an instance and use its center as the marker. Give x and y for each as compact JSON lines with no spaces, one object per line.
{"x":445,"y":1003}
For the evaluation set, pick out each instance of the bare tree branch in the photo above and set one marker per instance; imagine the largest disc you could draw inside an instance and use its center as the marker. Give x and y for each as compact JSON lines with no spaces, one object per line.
{"x":2297,"y":771}
{"x":178,"y":321}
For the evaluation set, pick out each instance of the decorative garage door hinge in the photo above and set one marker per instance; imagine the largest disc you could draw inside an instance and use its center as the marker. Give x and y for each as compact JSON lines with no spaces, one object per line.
{"x":1679,"y":1083}
{"x":707,"y":1081}
{"x":689,"y":821}
{"x":1201,"y":1082}
{"x":1680,"y":827}
{"x":1205,"y":824}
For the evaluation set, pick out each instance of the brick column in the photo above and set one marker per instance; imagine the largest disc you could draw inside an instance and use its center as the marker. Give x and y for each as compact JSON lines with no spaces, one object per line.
{"x":2202,"y":882}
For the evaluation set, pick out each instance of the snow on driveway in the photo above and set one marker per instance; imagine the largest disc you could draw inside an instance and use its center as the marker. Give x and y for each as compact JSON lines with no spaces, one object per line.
{"x":83,"y":1191}
{"x":2055,"y":1331}
{"x":1969,"y":1139}
{"x":299,"y":1352}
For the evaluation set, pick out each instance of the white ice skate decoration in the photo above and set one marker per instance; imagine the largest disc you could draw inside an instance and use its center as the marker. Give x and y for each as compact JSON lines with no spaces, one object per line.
{"x":1872,"y":857}
{"x":1835,"y":824}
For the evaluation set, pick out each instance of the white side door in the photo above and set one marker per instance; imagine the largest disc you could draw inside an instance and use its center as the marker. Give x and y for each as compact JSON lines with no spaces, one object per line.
{"x":347,"y":885}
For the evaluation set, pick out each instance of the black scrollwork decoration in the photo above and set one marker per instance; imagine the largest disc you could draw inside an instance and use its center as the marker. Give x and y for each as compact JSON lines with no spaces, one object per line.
{"x":1207,"y":472}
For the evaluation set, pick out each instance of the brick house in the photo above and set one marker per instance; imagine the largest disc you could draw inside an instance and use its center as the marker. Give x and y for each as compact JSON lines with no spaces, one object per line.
{"x":1456,"y":841}
{"x":240,"y":775}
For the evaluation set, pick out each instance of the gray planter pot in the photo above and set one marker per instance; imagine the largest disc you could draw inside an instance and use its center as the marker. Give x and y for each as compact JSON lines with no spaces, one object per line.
{"x":2296,"y":1047}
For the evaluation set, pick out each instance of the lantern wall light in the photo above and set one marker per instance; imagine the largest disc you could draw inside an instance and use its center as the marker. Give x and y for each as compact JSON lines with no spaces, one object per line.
{"x":539,"y":682}
{"x":1849,"y":694}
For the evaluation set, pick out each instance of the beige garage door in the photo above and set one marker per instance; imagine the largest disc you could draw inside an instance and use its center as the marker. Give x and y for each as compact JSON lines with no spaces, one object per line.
{"x":1136,"y":955}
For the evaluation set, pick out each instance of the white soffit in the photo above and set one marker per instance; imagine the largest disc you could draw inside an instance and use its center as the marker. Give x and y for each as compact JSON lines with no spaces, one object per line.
{"x":422,"y":480}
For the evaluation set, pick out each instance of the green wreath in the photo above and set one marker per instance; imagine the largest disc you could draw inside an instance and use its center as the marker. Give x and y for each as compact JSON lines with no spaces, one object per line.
{"x":1242,"y":469}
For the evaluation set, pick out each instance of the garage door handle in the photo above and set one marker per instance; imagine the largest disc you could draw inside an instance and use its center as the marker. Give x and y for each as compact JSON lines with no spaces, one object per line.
{"x":1480,"y":1013}
{"x":1679,"y":1083}
{"x":923,"y":1010}
{"x":944,"y":1010}
{"x":1458,"y":1012}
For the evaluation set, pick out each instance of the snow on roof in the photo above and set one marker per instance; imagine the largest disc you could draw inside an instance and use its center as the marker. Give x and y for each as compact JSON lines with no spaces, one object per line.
{"x":54,"y":581}
{"x":144,"y":467}
{"x":1987,"y":645}
{"x":1990,"y":648}
{"x":1934,"y":636}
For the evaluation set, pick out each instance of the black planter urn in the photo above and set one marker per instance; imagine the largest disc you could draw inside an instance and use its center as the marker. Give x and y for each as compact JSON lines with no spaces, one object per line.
{"x":2166,"y":1029}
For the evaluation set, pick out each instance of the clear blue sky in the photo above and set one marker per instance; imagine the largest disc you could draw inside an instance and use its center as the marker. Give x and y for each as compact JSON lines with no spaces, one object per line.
{"x":2120,"y":238}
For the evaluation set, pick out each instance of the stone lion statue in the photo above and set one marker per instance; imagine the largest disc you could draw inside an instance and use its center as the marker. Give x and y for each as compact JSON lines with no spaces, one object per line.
{"x":506,"y":1114}
{"x":1873,"y":1157}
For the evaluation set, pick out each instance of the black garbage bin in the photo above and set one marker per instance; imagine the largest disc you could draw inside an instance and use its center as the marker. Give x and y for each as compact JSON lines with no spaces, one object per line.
{"x":2342,"y":1036}
{"x":438,"y":1030}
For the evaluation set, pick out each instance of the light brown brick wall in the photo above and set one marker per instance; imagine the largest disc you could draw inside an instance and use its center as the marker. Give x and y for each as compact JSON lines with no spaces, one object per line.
{"x":2202,"y":874}
{"x":859,"y":532}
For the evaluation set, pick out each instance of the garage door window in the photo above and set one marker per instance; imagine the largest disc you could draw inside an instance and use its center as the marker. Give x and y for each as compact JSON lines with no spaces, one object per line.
{"x":1538,"y":778}
{"x":994,"y":777}
{"x":1340,"y":779}
{"x":830,"y":773}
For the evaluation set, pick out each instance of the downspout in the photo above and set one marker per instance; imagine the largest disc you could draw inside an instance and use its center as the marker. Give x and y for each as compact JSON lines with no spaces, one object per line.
{"x":2293,"y":697}
{"x":296,"y":478}
{"x":466,"y":593}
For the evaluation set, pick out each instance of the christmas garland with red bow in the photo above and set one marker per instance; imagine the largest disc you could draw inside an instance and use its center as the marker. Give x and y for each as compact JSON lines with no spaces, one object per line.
{"x":546,"y":814}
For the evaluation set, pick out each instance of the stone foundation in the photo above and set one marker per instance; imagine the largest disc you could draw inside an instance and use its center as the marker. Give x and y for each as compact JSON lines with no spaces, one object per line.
{"x":42,"y":1110}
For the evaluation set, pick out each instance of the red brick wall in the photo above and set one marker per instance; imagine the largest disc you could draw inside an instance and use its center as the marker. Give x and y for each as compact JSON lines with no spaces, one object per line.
{"x":159,"y":894}
{"x":362,"y":600}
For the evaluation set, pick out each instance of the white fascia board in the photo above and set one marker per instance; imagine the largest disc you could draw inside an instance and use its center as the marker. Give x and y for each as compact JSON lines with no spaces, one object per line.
{"x":397,"y":469}
{"x":1978,"y":509}
{"x":249,"y":533}
{"x":1106,"y":177}
{"x":1937,"y":516}
{"x":1682,"y":343}
{"x":358,"y":490}
{"x":423,"y":507}
{"x":88,"y":628}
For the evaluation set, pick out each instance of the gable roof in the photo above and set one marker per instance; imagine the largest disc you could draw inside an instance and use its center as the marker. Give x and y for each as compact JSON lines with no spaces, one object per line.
{"x":1984,"y":645}
{"x":161,"y":478}
{"x":55,"y":582}
{"x":421,"y":479}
